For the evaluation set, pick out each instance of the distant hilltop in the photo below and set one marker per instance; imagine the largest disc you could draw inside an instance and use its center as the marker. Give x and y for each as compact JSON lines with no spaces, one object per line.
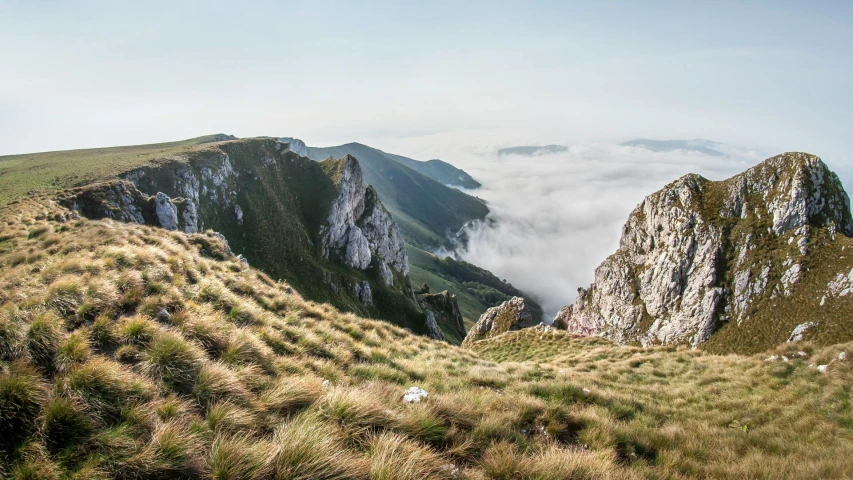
{"x":531,"y":150}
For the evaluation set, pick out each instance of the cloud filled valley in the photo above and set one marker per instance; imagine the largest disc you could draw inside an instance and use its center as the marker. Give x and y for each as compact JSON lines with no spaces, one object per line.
{"x":554,"y":217}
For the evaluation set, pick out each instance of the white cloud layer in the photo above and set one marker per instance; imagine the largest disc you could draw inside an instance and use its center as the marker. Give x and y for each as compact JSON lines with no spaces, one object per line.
{"x":554,"y":218}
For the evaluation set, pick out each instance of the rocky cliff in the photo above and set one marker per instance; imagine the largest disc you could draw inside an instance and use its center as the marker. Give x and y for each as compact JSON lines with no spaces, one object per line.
{"x":512,"y":314}
{"x":358,"y":226}
{"x":700,"y":257}
{"x":288,"y":215}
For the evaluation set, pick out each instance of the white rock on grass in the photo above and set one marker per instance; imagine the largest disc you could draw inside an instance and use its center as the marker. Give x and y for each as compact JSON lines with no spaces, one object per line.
{"x":800,"y":330}
{"x":414,"y":395}
{"x":822,"y":368}
{"x":842,"y":356}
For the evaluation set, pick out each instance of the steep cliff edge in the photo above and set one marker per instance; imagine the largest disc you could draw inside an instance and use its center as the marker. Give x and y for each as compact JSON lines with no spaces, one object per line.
{"x":317,"y":225}
{"x":738,"y":263}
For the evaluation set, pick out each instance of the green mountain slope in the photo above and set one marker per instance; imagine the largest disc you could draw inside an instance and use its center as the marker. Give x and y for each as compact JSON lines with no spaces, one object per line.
{"x":440,"y":171}
{"x":269,"y":203}
{"x":426,"y":210}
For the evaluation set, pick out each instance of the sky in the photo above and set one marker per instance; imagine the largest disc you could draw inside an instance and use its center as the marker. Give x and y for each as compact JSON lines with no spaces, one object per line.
{"x":452,"y":80}
{"x":96,"y":73}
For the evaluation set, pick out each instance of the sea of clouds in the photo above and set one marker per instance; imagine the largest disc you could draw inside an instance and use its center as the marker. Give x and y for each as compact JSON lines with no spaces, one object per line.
{"x":555,"y":217}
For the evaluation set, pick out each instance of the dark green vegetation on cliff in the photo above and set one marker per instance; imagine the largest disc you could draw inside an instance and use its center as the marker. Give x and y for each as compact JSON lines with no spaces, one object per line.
{"x":476,"y":288}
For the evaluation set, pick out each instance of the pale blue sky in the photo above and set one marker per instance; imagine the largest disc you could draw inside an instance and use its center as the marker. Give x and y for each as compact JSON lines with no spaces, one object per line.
{"x":775,"y":74}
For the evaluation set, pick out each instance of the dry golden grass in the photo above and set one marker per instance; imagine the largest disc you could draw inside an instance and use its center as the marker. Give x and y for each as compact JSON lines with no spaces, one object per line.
{"x":243,"y":379}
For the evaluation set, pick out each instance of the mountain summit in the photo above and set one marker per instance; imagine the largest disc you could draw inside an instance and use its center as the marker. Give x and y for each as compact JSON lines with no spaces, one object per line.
{"x":703,"y":261}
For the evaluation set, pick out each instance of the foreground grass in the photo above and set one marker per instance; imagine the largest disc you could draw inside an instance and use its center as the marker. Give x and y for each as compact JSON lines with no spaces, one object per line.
{"x":127,"y":353}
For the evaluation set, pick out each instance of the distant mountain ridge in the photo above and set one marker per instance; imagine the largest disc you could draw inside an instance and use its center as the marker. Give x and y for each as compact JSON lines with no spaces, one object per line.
{"x":440,"y":171}
{"x":707,"y":147}
{"x":530,"y":150}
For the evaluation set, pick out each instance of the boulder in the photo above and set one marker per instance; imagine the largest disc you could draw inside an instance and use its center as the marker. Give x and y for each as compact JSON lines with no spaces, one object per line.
{"x":800,"y":330}
{"x":414,"y":395}
{"x":512,"y":314}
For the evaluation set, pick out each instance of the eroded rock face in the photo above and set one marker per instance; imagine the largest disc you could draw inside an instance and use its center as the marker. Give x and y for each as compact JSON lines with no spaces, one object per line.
{"x":688,"y":260}
{"x":799,"y":332}
{"x":213,"y":184}
{"x":512,"y":314}
{"x":433,"y":330}
{"x":295,"y":145}
{"x":167,"y":212}
{"x":363,"y":293}
{"x":359,"y":227}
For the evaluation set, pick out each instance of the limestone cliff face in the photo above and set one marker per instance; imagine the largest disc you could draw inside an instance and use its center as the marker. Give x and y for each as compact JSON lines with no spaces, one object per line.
{"x":359,"y":227}
{"x":699,"y":254}
{"x":512,"y":314}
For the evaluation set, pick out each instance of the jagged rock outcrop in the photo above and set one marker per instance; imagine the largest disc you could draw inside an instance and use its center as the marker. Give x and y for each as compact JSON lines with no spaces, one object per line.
{"x":699,"y":253}
{"x":512,"y":314}
{"x":444,"y":307}
{"x":799,"y":332}
{"x":122,"y":201}
{"x":358,"y":226}
{"x":363,"y":292}
{"x":167,"y":212}
{"x":433,"y":330}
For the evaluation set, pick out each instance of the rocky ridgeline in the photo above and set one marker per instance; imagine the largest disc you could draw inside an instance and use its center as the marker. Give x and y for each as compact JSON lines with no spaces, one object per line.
{"x":700,"y":254}
{"x":512,"y":314}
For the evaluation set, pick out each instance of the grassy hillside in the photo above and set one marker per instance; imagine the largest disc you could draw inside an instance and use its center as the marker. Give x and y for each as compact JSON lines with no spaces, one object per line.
{"x":20,"y":174}
{"x":130,"y":352}
{"x":439,"y":171}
